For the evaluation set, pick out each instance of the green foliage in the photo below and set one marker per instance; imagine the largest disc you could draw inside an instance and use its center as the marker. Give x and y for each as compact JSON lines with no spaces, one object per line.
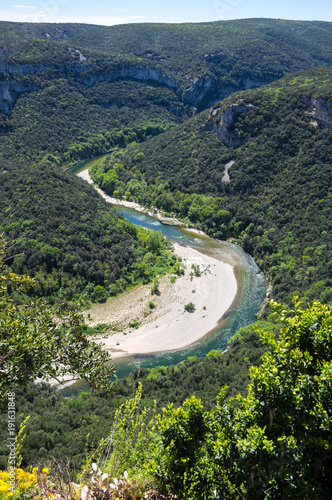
{"x":82,"y":253}
{"x":228,"y":51}
{"x":73,"y":427}
{"x":276,"y":147}
{"x":190,"y":307}
{"x":274,"y":442}
{"x":182,"y":435}
{"x":134,"y":324}
{"x":277,"y":441}
{"x":196,"y":269}
{"x":65,"y":121}
{"x":155,"y":287}
{"x":131,"y":441}
{"x":40,"y":342}
{"x":78,"y":103}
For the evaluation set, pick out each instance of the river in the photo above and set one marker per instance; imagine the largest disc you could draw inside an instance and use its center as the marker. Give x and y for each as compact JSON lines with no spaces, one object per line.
{"x":251,"y":289}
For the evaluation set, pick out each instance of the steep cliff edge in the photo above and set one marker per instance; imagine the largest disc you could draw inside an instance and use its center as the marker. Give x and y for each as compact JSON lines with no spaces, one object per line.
{"x":321,"y":111}
{"x":223,"y":123}
{"x":15,"y":80}
{"x":199,"y":92}
{"x":204,"y":63}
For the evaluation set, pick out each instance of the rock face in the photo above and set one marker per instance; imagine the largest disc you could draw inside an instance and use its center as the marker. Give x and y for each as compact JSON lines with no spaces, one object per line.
{"x":11,"y":85}
{"x":222,"y":123}
{"x":207,"y":90}
{"x":199,"y":92}
{"x":321,"y":111}
{"x":9,"y":93}
{"x":199,"y":89}
{"x":143,"y":73}
{"x":14,"y":80}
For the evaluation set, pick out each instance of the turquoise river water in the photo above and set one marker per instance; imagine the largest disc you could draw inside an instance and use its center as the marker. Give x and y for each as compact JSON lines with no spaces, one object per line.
{"x":251,"y":290}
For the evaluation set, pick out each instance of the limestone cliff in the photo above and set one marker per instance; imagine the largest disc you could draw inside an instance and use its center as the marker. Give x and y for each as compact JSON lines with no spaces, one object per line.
{"x":21,"y":78}
{"x":222,"y":122}
{"x":321,"y":111}
{"x":199,"y":92}
{"x":14,"y":79}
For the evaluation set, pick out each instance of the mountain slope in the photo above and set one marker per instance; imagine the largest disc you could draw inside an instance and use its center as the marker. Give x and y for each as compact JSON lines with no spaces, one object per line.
{"x":70,"y":240}
{"x":257,"y":168}
{"x":80,"y":82}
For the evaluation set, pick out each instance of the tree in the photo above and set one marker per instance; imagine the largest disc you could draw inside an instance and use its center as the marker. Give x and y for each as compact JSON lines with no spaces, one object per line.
{"x":277,"y":441}
{"x":38,"y":341}
{"x":154,"y":241}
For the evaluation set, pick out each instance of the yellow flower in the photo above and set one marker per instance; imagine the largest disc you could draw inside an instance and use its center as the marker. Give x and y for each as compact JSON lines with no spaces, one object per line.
{"x":46,"y":471}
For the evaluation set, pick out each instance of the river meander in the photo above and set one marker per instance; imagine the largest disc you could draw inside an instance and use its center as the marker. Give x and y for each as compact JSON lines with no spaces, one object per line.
{"x":251,"y":289}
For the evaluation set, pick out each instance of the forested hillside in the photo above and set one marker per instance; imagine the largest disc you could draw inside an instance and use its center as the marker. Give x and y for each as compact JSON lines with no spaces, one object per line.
{"x":227,"y":127}
{"x":68,"y":92}
{"x":71,"y":240}
{"x":59,"y":426}
{"x":256,"y":168}
{"x":256,"y":48}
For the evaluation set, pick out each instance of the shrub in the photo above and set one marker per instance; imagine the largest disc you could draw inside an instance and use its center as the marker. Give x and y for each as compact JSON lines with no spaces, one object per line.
{"x":190,"y":307}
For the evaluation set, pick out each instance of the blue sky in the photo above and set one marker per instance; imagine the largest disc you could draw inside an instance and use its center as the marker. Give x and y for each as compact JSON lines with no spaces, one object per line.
{"x":107,"y":12}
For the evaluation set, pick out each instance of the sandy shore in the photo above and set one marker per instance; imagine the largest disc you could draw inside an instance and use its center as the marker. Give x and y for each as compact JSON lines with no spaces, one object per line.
{"x":168,"y":326}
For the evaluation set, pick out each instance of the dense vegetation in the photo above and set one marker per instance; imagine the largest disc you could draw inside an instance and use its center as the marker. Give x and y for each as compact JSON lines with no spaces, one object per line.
{"x":41,"y":341}
{"x":69,"y":91}
{"x":59,"y":426}
{"x":277,"y":203}
{"x":255,"y":168}
{"x":71,"y":241}
{"x":277,"y":442}
{"x":66,"y":122}
{"x":227,"y":50}
{"x":274,"y":442}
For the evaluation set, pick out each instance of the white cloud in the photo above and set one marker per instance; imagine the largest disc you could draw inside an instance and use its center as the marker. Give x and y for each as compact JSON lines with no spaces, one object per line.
{"x":18,"y":17}
{"x":24,"y":6}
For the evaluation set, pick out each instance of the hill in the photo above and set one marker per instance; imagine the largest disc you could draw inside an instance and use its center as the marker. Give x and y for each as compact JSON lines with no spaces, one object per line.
{"x":67,"y":91}
{"x":70,"y":240}
{"x":255,"y":168}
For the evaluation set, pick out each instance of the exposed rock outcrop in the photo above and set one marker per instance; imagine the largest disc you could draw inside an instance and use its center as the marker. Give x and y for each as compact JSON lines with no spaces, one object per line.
{"x":32,"y":69}
{"x":11,"y":86}
{"x":321,"y":111}
{"x":13,"y":81}
{"x":143,"y":73}
{"x":222,"y":122}
{"x":10,"y":91}
{"x":199,"y":89}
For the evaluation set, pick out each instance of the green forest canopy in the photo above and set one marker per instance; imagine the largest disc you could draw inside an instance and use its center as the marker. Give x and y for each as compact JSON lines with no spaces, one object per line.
{"x":277,"y":203}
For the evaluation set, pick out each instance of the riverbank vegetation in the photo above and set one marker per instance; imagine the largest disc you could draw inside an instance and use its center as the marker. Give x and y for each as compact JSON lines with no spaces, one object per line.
{"x":274,"y":441}
{"x":254,"y":168}
{"x":72,"y":91}
{"x":59,"y":426}
{"x":276,"y":203}
{"x":66,"y":122}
